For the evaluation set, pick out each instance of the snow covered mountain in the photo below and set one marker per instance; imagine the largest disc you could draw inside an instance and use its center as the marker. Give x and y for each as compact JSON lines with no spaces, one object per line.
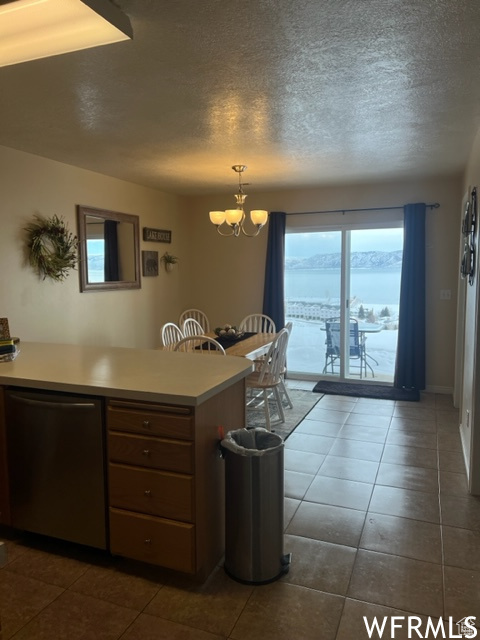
{"x":359,"y":260}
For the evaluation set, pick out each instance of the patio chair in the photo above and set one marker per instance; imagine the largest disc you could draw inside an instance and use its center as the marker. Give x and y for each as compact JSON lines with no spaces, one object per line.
{"x":356,"y":347}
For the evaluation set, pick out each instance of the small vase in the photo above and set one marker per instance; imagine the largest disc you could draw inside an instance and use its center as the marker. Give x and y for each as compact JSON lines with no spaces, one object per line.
{"x":168,"y":267}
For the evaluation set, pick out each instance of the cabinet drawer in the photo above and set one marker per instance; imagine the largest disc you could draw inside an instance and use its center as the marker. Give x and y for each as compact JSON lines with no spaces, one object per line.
{"x":157,"y":493}
{"x":156,"y":453}
{"x":150,"y":419}
{"x":154,"y":540}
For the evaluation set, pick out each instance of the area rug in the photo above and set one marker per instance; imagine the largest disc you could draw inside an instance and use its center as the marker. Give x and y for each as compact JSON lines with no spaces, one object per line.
{"x":303,"y":402}
{"x":359,"y":390}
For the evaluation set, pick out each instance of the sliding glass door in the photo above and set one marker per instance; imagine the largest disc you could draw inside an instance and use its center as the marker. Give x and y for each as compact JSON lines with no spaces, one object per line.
{"x":313,"y":282}
{"x":342,"y":290}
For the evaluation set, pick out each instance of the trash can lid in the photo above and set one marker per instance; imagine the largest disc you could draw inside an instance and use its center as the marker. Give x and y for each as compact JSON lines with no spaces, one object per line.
{"x":252,"y":442}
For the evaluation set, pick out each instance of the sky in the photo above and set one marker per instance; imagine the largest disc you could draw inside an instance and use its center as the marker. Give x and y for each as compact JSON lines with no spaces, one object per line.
{"x":305,"y":245}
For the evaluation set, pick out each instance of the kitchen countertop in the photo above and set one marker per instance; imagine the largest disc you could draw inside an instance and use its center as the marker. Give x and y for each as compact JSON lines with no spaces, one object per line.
{"x":119,"y":372}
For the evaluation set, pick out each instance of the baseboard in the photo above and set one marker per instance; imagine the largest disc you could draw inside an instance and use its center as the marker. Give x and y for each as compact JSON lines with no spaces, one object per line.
{"x":435,"y":389}
{"x":314,"y":378}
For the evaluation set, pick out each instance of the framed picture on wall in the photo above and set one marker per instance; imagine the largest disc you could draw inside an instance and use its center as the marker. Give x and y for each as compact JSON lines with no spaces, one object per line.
{"x":157,"y":235}
{"x":150,"y":263}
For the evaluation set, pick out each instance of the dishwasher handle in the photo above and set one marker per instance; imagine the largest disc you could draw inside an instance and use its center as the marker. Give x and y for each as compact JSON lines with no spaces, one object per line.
{"x":48,"y":404}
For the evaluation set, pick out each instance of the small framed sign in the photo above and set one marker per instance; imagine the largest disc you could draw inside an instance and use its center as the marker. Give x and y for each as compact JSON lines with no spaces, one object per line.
{"x":157,"y":235}
{"x":150,"y":263}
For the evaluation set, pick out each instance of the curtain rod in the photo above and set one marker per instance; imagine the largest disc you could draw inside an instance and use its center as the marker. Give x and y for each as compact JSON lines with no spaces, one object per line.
{"x":435,"y":205}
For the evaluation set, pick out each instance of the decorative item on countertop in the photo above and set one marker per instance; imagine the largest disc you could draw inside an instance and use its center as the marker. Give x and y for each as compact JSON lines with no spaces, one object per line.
{"x":4,"y":329}
{"x":8,"y":346}
{"x":9,"y":349}
{"x":168,"y":261}
{"x":229,"y":331}
{"x":52,"y":247}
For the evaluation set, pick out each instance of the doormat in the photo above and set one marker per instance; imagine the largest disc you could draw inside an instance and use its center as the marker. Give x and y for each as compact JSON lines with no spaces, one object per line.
{"x":359,"y":390}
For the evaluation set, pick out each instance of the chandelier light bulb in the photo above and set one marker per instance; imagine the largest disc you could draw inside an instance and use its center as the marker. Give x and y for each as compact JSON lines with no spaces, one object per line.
{"x":233,"y":216}
{"x":259,"y":216}
{"x":217,"y":217}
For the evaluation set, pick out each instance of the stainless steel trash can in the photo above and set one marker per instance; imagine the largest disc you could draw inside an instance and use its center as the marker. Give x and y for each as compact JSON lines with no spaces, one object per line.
{"x":254,"y":498}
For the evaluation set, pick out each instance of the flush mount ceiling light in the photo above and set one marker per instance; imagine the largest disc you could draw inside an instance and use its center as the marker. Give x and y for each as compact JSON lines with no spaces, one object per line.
{"x":235,"y":218}
{"x":32,"y":29}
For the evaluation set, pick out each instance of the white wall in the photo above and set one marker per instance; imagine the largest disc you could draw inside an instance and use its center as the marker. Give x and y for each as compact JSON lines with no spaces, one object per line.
{"x":470,"y":395}
{"x":223,"y":276}
{"x":48,"y":311}
{"x":227,"y":279}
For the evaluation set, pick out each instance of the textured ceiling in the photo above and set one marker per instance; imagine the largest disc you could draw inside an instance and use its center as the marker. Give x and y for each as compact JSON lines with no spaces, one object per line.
{"x":304,"y":92}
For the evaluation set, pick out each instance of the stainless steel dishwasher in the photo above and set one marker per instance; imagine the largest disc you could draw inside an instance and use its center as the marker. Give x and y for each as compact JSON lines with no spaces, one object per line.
{"x":55,"y":445}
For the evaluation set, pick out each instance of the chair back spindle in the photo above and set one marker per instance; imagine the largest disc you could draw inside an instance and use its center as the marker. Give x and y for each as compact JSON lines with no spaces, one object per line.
{"x":258,"y":323}
{"x":170,"y":334}
{"x":197,"y":315}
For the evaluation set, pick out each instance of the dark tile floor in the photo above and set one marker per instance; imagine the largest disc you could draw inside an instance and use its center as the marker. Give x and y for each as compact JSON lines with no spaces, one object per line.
{"x":377,"y":518}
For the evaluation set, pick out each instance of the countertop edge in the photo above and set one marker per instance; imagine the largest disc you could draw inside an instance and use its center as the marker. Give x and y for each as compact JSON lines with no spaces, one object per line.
{"x":118,"y":385}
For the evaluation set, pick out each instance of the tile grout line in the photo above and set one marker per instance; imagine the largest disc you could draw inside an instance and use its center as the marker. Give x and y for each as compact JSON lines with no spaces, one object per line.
{"x":366,"y":515}
{"x":440,"y":518}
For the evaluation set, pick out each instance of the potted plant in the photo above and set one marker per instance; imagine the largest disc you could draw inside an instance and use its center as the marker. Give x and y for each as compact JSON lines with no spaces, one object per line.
{"x":168,"y":261}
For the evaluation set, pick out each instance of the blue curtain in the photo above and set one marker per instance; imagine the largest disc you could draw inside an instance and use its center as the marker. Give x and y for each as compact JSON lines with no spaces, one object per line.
{"x":112,"y":268}
{"x":410,"y":363}
{"x":273,"y":292}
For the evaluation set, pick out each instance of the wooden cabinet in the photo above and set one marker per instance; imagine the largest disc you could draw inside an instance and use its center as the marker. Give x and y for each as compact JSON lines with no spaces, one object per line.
{"x":151,"y":483}
{"x":166,"y":480}
{"x":153,"y":540}
{"x":155,"y":453}
{"x":4,"y":486}
{"x":151,"y":491}
{"x":166,"y":498}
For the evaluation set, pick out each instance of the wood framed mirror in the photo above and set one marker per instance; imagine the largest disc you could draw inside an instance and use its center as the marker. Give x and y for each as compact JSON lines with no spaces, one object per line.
{"x":109,"y":245}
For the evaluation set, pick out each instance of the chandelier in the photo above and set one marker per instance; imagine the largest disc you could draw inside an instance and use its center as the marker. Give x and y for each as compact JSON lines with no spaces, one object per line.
{"x":235,"y":218}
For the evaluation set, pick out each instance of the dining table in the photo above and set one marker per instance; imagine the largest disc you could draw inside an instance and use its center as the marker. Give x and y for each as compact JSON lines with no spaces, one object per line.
{"x":250,"y":345}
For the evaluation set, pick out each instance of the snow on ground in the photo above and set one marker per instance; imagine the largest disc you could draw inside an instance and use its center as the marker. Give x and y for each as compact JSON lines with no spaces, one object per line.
{"x":306,"y":349}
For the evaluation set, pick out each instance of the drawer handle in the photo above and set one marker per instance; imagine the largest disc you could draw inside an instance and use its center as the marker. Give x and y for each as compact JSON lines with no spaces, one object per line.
{"x":148,"y":541}
{"x":146,"y":452}
{"x":146,"y":424}
{"x":148,"y":492}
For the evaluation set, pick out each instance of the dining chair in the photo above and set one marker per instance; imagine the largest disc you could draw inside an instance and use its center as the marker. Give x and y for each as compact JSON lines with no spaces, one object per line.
{"x":356,"y":345}
{"x":197,"y":315}
{"x":267,"y":380}
{"x":170,"y":334}
{"x":258,"y":323}
{"x":192,"y":327}
{"x":283,"y":389}
{"x":199,"y":344}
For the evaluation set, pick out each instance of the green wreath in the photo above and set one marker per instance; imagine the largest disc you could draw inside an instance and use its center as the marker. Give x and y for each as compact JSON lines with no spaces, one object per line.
{"x":52,"y":247}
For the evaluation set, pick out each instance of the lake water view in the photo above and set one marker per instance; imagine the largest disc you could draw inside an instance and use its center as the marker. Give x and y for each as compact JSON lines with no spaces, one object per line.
{"x":370,"y":286}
